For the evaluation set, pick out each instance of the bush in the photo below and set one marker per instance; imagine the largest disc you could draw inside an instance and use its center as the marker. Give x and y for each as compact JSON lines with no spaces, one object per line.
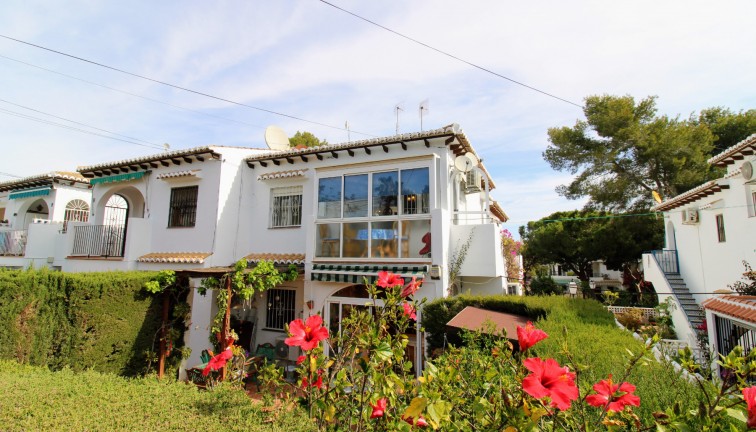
{"x":102,"y":321}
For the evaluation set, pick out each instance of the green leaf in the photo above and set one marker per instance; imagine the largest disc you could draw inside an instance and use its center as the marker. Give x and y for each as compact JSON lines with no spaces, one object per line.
{"x":737,"y":414}
{"x":415,"y":407}
{"x":383,"y":351}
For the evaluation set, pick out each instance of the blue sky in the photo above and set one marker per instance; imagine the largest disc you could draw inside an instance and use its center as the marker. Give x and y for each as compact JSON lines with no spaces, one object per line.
{"x":312,"y":61}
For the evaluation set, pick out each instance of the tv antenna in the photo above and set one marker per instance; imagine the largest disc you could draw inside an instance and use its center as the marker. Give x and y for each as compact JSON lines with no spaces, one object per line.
{"x":398,"y":107}
{"x":346,"y":126}
{"x":423,"y":109}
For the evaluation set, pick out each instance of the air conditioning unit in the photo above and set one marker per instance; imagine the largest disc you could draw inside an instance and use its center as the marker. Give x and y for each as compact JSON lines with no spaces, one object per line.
{"x":690,"y":217}
{"x":472,"y":181}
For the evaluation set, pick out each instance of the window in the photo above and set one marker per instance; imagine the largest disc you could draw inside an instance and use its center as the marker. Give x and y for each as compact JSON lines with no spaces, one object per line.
{"x":281,"y":304}
{"x":383,"y":214}
{"x":753,"y":203}
{"x":286,"y":207}
{"x":183,"y":207}
{"x":721,"y":228}
{"x":76,"y":211}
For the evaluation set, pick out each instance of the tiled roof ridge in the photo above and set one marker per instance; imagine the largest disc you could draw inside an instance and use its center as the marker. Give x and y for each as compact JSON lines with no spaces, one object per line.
{"x":286,"y":258}
{"x":410,"y":136}
{"x":164,"y":155}
{"x":750,"y":139}
{"x":52,"y":175}
{"x":739,"y":307}
{"x":686,"y":194}
{"x":175,"y":257}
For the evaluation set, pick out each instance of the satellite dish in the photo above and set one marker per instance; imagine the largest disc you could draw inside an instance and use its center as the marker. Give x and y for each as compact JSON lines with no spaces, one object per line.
{"x":276,"y":138}
{"x":473,"y":158}
{"x":746,"y":170}
{"x":463,"y":163}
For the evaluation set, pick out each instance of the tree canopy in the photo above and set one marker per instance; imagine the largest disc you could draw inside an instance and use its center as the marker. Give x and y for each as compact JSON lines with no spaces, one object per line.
{"x":575,"y":239}
{"x":729,"y":128}
{"x":305,"y":139}
{"x":623,"y":151}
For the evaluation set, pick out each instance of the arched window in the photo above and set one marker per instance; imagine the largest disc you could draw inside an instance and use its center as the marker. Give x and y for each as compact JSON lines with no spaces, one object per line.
{"x":77,"y":211}
{"x":116,"y":211}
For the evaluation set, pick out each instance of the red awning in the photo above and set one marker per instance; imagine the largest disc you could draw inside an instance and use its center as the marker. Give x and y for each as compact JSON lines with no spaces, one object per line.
{"x":476,"y":319}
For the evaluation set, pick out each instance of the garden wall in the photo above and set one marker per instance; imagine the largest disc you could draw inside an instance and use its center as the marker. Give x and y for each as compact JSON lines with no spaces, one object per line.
{"x":100,"y":321}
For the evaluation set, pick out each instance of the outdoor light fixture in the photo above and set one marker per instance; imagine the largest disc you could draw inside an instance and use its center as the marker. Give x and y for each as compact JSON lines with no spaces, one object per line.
{"x":310,"y":304}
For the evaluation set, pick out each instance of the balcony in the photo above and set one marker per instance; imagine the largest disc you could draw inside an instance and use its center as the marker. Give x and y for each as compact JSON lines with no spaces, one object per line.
{"x":99,"y":240}
{"x":13,"y":242}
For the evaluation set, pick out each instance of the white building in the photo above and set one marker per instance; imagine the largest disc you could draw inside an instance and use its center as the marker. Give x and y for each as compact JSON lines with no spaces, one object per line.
{"x":35,"y":212}
{"x":339,"y":212}
{"x":710,"y":230}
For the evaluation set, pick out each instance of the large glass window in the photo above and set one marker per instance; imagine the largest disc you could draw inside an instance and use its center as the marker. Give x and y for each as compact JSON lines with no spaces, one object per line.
{"x":183,"y":207}
{"x":375,"y":215}
{"x":356,"y":196}
{"x":329,"y":197}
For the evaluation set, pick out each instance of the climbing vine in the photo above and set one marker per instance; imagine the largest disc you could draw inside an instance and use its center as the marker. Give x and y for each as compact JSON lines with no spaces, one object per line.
{"x":456,"y":260}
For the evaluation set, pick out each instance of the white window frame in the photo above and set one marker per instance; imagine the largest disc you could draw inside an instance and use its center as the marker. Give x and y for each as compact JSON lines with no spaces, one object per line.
{"x":370,"y":218}
{"x":285,"y":207}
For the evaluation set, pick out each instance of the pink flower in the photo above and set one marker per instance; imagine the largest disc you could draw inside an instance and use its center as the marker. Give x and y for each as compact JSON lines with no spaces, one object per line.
{"x":218,"y":361}
{"x":318,"y":382}
{"x":613,"y":397}
{"x":409,"y":310}
{"x":529,"y":336}
{"x":307,"y":334}
{"x":548,"y":379}
{"x":411,"y":287}
{"x":749,"y":394}
{"x":420,"y":421}
{"x":379,"y":408}
{"x":388,"y":279}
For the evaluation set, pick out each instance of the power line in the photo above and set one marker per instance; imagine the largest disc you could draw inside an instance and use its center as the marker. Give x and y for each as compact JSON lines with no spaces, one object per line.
{"x":82,"y":124}
{"x":28,"y":117}
{"x":452,"y":55}
{"x":131,"y":94}
{"x":180,"y":87}
{"x":9,"y":175}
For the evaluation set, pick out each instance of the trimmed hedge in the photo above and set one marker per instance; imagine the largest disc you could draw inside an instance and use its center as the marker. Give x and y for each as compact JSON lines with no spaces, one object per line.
{"x":589,"y":332}
{"x":100,"y":321}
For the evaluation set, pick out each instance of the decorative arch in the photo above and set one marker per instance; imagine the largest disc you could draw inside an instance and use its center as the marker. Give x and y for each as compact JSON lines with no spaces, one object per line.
{"x":36,"y":210}
{"x":77,"y":210}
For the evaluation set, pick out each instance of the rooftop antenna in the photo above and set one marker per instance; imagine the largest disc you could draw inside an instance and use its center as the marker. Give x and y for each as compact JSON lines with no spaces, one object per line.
{"x":166,"y":146}
{"x":398,"y":107}
{"x":423,"y":109}
{"x":349,"y":136}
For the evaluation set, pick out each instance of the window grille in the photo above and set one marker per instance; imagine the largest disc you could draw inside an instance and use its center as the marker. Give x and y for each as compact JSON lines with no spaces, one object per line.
{"x":731,"y":334}
{"x":286,"y":207}
{"x":183,"y":207}
{"x":76,"y":211}
{"x":721,"y":228}
{"x":281,"y":304}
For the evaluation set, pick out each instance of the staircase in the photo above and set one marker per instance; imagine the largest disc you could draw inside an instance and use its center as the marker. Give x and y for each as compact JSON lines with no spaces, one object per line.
{"x":692,"y":311}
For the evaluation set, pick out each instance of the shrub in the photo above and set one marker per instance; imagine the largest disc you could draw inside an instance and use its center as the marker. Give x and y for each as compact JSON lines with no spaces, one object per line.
{"x":102,"y":321}
{"x":632,"y":319}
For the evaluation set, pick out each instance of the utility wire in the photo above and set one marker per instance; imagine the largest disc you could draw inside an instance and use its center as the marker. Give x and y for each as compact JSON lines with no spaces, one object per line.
{"x":9,"y":175}
{"x":131,"y":94}
{"x":82,"y":124}
{"x":13,"y":113}
{"x":180,"y":87}
{"x":452,"y":55}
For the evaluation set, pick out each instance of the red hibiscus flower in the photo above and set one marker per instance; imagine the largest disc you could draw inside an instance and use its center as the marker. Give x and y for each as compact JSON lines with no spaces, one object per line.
{"x":218,"y":361}
{"x":548,"y":379}
{"x":529,"y":336}
{"x":409,"y":310}
{"x":379,"y":408}
{"x":749,"y":394}
{"x":388,"y":279}
{"x":412,"y":287}
{"x":613,"y":397}
{"x":419,"y":421}
{"x":300,"y":359}
{"x":318,"y":382}
{"x":307,"y":334}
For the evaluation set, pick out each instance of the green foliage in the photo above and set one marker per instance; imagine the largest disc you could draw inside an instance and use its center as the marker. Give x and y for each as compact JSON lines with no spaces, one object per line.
{"x":748,"y":285}
{"x":306,"y":139}
{"x":728,"y":127}
{"x":80,"y":320}
{"x":610,"y":297}
{"x":623,"y":151}
{"x":164,"y":279}
{"x":37,"y":399}
{"x":456,"y":260}
{"x":544,"y":285}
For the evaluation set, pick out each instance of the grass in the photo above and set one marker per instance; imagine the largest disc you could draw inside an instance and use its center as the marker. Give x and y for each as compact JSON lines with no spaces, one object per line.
{"x":37,"y":399}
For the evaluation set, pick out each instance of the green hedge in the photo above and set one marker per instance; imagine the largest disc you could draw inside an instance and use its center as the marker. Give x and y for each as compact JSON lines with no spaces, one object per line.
{"x":588,"y":331}
{"x":102,"y":321}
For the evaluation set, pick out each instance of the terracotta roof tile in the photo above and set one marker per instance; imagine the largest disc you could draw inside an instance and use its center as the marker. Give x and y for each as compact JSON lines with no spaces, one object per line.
{"x":185,"y":173}
{"x":175,"y":257}
{"x":277,"y":258}
{"x":282,"y":174}
{"x":739,"y":307}
{"x":727,"y":156}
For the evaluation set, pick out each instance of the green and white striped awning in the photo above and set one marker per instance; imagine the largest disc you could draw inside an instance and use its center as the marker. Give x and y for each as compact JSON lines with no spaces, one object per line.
{"x":117,"y":178}
{"x":356,"y":273}
{"x":28,"y":193}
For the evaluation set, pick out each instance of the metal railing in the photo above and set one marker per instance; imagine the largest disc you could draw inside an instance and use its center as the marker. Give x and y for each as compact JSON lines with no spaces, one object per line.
{"x":667,"y":260}
{"x":13,"y":243}
{"x":99,"y":240}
